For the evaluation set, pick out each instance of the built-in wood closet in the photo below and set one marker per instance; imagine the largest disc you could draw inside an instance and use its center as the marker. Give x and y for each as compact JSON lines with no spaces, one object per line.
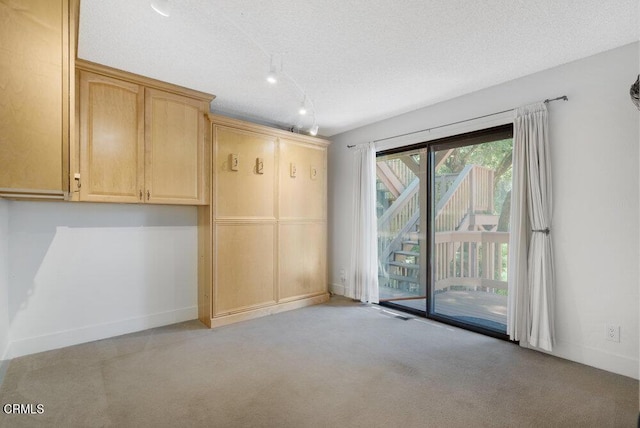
{"x":82,"y":132}
{"x":263,"y":237}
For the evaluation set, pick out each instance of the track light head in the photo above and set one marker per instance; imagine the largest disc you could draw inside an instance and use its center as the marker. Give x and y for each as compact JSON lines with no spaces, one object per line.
{"x":303,"y":108}
{"x":272,"y":77}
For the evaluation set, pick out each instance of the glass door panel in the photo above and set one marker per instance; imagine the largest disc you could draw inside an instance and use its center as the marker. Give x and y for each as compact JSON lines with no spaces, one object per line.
{"x":400,"y":259}
{"x":469,"y":233}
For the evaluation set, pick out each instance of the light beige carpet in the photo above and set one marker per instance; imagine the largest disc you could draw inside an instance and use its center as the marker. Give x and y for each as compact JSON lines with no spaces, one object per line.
{"x":340,"y":364}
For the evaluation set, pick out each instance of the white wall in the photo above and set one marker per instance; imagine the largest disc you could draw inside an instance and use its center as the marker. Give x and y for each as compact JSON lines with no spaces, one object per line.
{"x":4,"y":285}
{"x":80,"y":272}
{"x":594,"y":139}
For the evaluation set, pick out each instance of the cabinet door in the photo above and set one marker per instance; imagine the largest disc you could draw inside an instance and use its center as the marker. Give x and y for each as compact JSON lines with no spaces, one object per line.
{"x":34,"y":105}
{"x":245,"y":190}
{"x":302,"y":181}
{"x":111,"y":139}
{"x":174,"y":149}
{"x":244,"y":266}
{"x":302,"y":257}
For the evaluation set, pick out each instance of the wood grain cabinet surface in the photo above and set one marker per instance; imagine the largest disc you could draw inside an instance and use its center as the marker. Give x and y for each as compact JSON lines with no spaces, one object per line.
{"x":302,"y":192}
{"x":174,"y":149}
{"x":36,"y":65}
{"x":262,"y":242}
{"x":111,"y":139}
{"x":137,"y":143}
{"x":246,"y":190}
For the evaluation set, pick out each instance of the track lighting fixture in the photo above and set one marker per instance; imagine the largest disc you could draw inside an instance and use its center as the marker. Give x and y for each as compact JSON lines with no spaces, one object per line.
{"x":272,"y":77}
{"x":161,"y":6}
{"x":306,"y":108}
{"x":303,"y":107}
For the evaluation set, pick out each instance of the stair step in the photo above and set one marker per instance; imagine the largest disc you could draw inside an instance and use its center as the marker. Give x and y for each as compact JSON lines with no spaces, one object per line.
{"x":413,"y":236}
{"x":410,"y":279}
{"x":410,"y":242}
{"x":407,"y":253}
{"x":405,"y":265}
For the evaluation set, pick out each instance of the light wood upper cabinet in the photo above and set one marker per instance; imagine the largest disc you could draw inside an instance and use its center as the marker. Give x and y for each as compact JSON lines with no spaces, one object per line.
{"x":140,"y":140}
{"x":36,"y":65}
{"x":111,"y":139}
{"x":174,"y":149}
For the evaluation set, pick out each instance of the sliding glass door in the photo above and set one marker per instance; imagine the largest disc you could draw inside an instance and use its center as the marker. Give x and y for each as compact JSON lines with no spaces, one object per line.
{"x":443,"y":229}
{"x":469,"y":228}
{"x":401,"y":180}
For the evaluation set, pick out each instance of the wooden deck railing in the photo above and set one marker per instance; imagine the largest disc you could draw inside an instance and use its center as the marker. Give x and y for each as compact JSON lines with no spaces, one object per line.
{"x":471,"y":259}
{"x":401,"y":216}
{"x":471,"y":192}
{"x":401,"y":170}
{"x":462,"y":258}
{"x":442,"y":184}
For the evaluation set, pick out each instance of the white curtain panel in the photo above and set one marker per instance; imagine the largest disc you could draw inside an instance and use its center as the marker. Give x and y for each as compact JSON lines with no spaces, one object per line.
{"x":363,"y":269}
{"x":531,"y":276}
{"x":518,"y":295}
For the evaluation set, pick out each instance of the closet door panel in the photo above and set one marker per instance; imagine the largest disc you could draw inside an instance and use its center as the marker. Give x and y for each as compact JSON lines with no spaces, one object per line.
{"x":246,"y":189}
{"x":302,"y":181}
{"x":302,"y":258}
{"x":244,"y":266}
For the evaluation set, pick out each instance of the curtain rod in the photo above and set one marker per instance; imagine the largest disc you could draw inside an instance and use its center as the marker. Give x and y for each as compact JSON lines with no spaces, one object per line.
{"x":548,"y":100}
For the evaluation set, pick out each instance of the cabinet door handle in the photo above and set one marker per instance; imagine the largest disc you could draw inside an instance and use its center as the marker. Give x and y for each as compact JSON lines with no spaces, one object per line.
{"x":140,"y":194}
{"x":148,"y":195}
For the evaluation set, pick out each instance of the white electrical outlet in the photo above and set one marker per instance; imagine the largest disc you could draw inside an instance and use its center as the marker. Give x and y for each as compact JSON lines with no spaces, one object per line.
{"x":612,"y":332}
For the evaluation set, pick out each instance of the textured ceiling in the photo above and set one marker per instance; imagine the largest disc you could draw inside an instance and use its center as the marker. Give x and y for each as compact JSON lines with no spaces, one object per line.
{"x":358,"y":61}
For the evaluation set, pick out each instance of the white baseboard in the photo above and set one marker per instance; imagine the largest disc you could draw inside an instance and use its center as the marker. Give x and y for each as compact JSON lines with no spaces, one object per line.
{"x":338,"y":289}
{"x":47,"y":342}
{"x":597,"y":358}
{"x":614,"y":363}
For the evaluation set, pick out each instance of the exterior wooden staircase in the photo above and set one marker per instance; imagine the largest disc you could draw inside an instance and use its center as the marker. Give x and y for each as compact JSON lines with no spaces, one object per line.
{"x":464,"y":220}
